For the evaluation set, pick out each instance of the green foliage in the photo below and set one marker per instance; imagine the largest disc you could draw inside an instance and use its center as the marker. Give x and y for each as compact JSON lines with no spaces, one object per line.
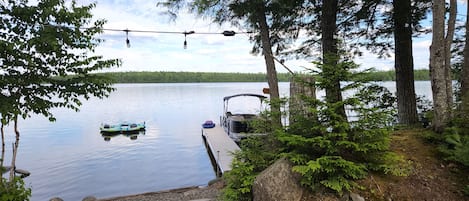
{"x":239,"y":180}
{"x":425,"y":110}
{"x":330,"y":150}
{"x":421,"y":74}
{"x":327,"y":149}
{"x":332,"y":172}
{"x":190,"y":77}
{"x":195,"y":77}
{"x":257,"y":154}
{"x":466,"y":190}
{"x":455,"y":145}
{"x":14,"y":191}
{"x":245,"y":15}
{"x":47,"y":59}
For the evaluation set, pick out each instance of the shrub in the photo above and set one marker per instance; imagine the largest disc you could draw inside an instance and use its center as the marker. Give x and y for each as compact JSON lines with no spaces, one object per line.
{"x":332,"y":152}
{"x":257,"y":154}
{"x":14,"y":191}
{"x":332,"y":172}
{"x":327,"y":149}
{"x":455,"y":146}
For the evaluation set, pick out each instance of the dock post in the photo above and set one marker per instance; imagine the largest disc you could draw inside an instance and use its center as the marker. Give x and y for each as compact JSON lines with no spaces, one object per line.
{"x":218,"y":158}
{"x":220,"y":148}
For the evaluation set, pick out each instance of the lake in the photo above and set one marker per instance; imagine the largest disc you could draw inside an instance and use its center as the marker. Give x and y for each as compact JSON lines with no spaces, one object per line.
{"x":70,"y":159}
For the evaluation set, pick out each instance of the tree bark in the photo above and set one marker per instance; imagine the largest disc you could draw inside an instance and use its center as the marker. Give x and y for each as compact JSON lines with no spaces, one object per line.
{"x":3,"y":145}
{"x":15,"y":150}
{"x":270,"y":65}
{"x":330,"y":53}
{"x":437,"y":67}
{"x":301,"y":87}
{"x":404,"y":64}
{"x":448,"y":43}
{"x":465,"y":66}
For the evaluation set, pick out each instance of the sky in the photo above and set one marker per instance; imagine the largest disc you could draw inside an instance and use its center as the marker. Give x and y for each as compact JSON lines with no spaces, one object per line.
{"x":204,"y":53}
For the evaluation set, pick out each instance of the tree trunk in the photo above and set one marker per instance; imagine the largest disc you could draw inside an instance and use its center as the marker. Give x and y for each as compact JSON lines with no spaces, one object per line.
{"x":404,"y":65}
{"x":448,"y":43}
{"x":300,"y":88}
{"x":329,"y":52}
{"x":437,"y":67}
{"x":3,"y":146}
{"x":15,"y":150}
{"x":465,"y":66}
{"x":270,"y":65}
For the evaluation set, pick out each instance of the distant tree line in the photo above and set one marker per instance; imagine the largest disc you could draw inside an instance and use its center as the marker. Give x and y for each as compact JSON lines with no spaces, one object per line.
{"x":422,"y":74}
{"x":189,"y":77}
{"x":194,"y":77}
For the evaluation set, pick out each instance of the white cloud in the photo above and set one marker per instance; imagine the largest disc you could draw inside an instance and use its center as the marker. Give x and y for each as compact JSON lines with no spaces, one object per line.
{"x":421,"y":53}
{"x":205,"y":52}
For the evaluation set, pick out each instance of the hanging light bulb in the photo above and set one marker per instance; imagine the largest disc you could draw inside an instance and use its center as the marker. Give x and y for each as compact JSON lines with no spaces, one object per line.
{"x":127,"y":41}
{"x":185,"y":36}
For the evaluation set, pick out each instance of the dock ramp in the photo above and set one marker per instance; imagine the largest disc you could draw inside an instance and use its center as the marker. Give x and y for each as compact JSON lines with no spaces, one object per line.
{"x":221,"y":147}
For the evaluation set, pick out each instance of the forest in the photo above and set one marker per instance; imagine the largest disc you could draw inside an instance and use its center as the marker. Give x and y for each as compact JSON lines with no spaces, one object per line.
{"x":194,"y":77}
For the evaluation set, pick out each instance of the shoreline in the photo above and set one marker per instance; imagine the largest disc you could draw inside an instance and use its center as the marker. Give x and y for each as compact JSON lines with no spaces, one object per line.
{"x":199,"y":193}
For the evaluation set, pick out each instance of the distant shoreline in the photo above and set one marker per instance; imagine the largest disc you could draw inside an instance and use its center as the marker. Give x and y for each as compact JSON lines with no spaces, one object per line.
{"x":202,"y":77}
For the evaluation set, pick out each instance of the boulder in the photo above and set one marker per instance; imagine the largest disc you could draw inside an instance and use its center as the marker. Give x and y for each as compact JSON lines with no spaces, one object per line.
{"x":89,"y":198}
{"x":56,"y":199}
{"x":356,"y":197}
{"x":277,"y":183}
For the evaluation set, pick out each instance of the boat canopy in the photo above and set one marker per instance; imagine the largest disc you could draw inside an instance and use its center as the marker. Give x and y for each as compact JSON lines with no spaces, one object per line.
{"x":237,"y":95}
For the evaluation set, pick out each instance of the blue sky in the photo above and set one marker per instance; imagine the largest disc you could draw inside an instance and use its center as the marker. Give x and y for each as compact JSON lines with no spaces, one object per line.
{"x":204,"y":53}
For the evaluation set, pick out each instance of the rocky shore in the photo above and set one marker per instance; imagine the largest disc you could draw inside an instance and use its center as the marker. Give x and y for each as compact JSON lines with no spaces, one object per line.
{"x":194,"y":193}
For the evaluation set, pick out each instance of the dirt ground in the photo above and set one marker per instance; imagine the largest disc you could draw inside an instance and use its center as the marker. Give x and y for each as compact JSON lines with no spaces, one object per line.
{"x":431,"y":179}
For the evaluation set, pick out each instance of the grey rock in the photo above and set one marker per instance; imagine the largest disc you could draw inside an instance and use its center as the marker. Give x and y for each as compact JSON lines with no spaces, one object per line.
{"x":90,"y":198}
{"x":356,"y":197}
{"x":56,"y":199}
{"x":277,"y":183}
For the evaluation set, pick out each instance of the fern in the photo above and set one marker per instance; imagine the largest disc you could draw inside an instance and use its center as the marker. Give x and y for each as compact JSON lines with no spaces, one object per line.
{"x":456,"y":144}
{"x":332,"y":172}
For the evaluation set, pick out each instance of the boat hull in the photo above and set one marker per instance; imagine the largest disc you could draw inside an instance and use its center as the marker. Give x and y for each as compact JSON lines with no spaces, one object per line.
{"x":238,"y":125}
{"x":121,"y":128}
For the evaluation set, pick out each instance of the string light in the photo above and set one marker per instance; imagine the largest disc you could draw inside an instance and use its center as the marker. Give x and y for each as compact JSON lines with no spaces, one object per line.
{"x":224,"y":33}
{"x":127,"y":40}
{"x":185,"y":34}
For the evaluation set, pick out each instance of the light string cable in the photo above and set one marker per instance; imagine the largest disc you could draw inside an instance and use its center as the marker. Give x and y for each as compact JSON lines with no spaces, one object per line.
{"x":185,"y":33}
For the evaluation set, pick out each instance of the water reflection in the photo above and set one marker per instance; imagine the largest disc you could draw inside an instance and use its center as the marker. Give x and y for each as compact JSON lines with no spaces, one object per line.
{"x":131,"y":135}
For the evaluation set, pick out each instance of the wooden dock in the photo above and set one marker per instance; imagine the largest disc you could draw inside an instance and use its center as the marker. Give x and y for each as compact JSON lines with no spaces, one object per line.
{"x":221,"y":148}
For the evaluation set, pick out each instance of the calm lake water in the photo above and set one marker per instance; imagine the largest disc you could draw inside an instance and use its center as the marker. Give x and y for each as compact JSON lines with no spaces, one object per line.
{"x":70,"y":159}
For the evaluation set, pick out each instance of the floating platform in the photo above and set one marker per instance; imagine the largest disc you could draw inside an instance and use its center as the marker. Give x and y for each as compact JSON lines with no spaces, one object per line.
{"x":220,"y":148}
